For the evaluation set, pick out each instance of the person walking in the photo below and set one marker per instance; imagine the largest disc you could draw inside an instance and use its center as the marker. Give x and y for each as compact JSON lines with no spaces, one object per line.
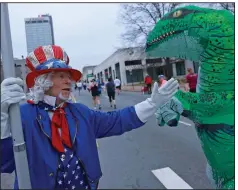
{"x":84,"y":85}
{"x":95,"y":94}
{"x":79,"y":85}
{"x":161,"y":80}
{"x":191,"y":81}
{"x":117,"y":83}
{"x":148,"y":82}
{"x":110,"y":86}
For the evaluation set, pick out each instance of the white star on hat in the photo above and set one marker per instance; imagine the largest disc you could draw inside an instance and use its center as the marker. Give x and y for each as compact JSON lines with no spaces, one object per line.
{"x":49,"y":65}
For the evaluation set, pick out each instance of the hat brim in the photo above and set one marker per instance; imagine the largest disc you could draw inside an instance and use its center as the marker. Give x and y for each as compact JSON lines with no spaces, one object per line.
{"x":30,"y":78}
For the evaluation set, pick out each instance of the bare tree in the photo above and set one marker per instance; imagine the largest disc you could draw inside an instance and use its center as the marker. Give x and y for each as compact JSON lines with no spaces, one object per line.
{"x":140,"y":18}
{"x":227,"y":6}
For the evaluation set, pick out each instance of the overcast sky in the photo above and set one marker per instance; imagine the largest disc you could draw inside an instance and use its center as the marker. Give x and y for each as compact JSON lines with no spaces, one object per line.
{"x":89,"y":32}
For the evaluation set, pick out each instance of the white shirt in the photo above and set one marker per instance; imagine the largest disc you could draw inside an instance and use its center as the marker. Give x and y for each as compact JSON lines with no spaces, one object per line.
{"x":79,"y":84}
{"x":117,"y":82}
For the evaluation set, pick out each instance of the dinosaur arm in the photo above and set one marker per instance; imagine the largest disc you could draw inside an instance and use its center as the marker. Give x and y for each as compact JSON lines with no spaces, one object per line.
{"x":208,"y":107}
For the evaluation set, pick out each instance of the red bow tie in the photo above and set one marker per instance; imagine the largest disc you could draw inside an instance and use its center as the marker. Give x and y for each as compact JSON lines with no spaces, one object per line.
{"x":59,"y":121}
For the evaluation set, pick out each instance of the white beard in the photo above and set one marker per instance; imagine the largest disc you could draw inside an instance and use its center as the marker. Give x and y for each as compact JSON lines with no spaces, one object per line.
{"x":61,"y":97}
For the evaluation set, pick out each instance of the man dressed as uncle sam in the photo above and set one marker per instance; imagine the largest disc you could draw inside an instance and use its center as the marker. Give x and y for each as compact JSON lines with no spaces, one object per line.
{"x":61,"y":136}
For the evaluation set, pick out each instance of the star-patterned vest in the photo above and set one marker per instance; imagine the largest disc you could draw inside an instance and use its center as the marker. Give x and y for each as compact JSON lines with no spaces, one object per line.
{"x":70,"y":173}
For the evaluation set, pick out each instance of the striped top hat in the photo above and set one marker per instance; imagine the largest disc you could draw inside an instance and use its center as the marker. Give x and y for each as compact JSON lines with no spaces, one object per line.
{"x":45,"y":59}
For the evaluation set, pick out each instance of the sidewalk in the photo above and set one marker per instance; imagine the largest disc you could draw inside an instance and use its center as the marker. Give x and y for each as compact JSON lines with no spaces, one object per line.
{"x":138,"y":88}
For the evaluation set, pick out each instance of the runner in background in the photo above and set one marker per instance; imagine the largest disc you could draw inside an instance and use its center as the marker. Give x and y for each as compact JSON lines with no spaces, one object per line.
{"x":191,"y":79}
{"x":84,"y":85}
{"x":103,"y":85}
{"x":94,"y":91}
{"x":110,"y":86}
{"x":117,"y":83}
{"x":79,"y":85}
{"x":148,"y":82}
{"x":99,"y":87}
{"x":161,"y":80}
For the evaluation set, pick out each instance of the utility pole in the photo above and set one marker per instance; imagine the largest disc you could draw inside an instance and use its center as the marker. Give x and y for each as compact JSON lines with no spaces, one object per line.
{"x":19,"y":146}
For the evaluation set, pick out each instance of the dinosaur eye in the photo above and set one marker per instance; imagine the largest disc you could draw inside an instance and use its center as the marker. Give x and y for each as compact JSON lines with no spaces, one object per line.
{"x":177,"y":13}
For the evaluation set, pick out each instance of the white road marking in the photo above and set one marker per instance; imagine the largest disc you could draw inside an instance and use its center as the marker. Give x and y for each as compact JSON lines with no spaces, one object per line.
{"x":185,"y":123}
{"x":170,"y":179}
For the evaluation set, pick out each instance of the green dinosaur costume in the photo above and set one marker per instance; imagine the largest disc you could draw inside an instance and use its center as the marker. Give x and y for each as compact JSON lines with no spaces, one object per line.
{"x":206,"y":36}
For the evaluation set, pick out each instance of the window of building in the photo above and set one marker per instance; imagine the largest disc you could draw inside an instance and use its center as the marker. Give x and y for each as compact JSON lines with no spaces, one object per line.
{"x":149,"y":61}
{"x":195,"y":66}
{"x":134,"y":62}
{"x":137,"y":76}
{"x":180,"y":68}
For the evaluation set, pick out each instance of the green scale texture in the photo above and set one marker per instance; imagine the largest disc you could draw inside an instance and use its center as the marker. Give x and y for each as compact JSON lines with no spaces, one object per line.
{"x":205,"y":36}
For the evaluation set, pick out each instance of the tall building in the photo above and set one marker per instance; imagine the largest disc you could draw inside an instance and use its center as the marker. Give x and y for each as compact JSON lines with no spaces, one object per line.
{"x":39,"y":31}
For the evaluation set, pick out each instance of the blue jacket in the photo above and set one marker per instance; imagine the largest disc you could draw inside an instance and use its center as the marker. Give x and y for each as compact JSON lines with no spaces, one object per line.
{"x":85,"y":126}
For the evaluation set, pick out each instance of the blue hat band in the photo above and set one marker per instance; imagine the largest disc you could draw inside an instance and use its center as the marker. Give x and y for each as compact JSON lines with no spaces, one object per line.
{"x":53,"y":64}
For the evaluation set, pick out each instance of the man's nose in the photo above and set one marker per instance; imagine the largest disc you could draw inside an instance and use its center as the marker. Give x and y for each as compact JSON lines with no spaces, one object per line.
{"x":68,"y":80}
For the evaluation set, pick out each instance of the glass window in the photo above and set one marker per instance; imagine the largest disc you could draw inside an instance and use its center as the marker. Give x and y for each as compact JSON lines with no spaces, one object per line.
{"x":196,"y":66}
{"x":180,"y":68}
{"x":134,"y":62}
{"x":137,"y":76}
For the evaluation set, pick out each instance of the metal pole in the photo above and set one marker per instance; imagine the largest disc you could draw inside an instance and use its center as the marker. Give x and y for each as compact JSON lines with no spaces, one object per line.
{"x":19,"y":147}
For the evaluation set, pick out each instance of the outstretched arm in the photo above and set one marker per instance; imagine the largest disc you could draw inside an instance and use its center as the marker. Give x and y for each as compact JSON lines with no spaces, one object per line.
{"x":206,"y":108}
{"x":118,"y":122}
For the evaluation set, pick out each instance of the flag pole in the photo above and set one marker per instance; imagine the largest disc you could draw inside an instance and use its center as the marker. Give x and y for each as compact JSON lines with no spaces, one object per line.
{"x":19,"y":146}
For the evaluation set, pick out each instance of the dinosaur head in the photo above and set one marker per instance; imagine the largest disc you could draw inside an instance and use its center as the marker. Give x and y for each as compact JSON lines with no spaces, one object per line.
{"x":187,"y":32}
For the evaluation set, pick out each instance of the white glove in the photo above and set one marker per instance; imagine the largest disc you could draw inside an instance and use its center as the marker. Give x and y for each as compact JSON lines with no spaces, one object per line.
{"x":11,"y":92}
{"x":159,"y":97}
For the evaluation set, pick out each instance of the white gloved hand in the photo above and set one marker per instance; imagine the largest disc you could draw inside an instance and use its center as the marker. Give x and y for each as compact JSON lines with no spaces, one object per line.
{"x":11,"y":92}
{"x":159,"y":97}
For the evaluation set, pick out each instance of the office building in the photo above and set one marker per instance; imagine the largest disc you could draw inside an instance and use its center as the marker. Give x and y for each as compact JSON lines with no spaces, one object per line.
{"x":39,"y":32}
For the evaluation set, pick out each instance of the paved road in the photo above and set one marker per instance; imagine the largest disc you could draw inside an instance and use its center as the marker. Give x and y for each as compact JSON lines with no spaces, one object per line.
{"x":127,"y":161}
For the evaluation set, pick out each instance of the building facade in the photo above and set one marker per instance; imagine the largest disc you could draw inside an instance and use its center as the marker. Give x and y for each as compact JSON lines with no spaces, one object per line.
{"x":131,"y":65}
{"x":20,"y":70}
{"x":39,"y":32}
{"x":88,"y":73}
